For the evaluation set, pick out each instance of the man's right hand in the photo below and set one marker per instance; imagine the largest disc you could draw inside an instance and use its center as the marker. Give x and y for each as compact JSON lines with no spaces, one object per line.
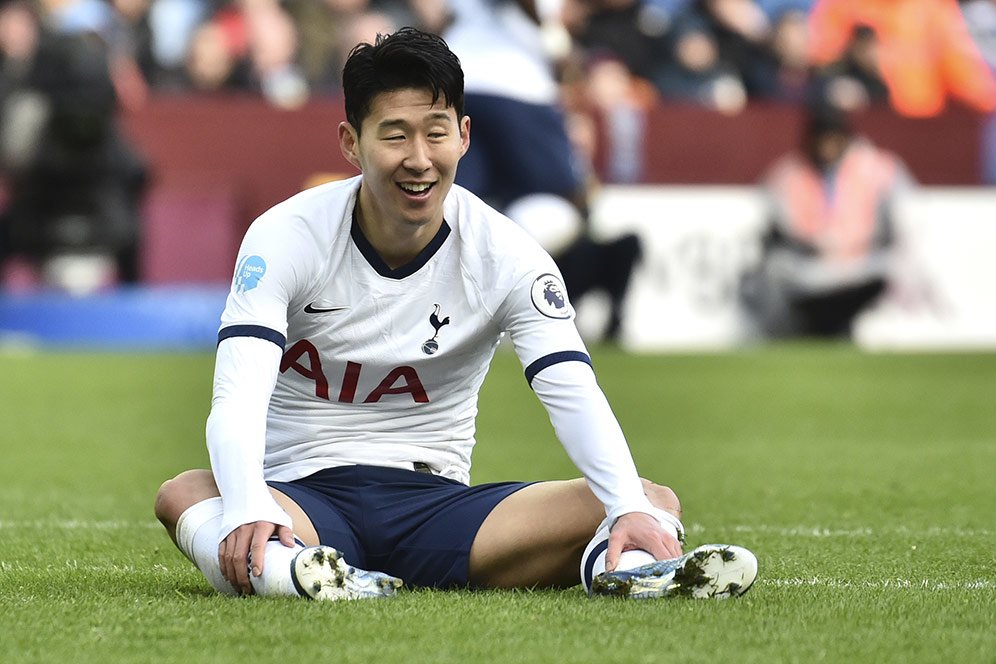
{"x":234,"y":550}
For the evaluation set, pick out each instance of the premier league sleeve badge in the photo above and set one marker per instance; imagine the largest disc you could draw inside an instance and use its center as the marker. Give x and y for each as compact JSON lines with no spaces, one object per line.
{"x":550,"y":297}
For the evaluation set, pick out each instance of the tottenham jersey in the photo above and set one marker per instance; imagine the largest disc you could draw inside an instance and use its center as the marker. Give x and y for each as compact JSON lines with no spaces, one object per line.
{"x":383,"y":366}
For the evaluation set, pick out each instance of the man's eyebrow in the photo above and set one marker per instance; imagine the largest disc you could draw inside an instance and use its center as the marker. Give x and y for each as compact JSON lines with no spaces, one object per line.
{"x":398,"y":122}
{"x":386,"y":124}
{"x":440,"y":115}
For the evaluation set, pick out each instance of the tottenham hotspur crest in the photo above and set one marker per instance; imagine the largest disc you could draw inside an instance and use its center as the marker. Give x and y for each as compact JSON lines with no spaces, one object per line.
{"x":550,"y":297}
{"x":430,"y":346}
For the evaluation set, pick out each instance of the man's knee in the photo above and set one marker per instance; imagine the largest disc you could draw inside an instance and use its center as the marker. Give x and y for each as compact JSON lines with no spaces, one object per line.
{"x":663,"y":497}
{"x":177,"y":494}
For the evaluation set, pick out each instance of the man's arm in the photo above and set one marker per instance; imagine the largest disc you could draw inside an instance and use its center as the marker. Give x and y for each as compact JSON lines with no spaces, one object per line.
{"x":593,"y":439}
{"x":540,"y":320}
{"x":245,"y":373}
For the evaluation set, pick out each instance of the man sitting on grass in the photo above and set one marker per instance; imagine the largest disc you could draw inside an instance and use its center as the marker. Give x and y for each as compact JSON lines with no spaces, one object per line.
{"x":362,"y":319}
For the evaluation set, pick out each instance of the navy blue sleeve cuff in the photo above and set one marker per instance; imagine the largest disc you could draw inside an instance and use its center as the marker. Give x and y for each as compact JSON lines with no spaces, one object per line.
{"x":257,"y":331}
{"x":555,"y":358}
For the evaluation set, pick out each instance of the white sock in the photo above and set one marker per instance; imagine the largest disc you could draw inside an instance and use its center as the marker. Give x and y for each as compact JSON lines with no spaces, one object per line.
{"x":276,"y":577}
{"x":593,"y":559}
{"x":197,"y":537}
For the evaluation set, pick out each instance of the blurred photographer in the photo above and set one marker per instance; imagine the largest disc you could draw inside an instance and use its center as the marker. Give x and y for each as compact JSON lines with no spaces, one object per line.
{"x":74,"y":184}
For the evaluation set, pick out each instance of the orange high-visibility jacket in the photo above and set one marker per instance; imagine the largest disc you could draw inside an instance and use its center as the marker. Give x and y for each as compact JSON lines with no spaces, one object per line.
{"x":843,"y":224}
{"x":926,"y":51}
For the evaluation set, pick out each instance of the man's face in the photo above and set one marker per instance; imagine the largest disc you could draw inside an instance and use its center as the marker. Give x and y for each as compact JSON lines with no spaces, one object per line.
{"x":408,"y":152}
{"x":828,"y":147}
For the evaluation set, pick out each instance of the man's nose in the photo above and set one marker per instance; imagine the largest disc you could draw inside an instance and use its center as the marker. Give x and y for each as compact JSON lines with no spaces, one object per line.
{"x":417,"y":158}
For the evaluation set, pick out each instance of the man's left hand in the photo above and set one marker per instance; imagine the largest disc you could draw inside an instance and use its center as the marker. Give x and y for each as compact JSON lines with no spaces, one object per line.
{"x":637,"y":530}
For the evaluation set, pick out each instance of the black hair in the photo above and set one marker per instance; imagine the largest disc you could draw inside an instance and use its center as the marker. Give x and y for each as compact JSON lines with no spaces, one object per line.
{"x":825,"y":118}
{"x":408,"y":58}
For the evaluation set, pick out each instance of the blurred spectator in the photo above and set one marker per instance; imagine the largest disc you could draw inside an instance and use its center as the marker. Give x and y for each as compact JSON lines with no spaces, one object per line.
{"x":980,"y":17}
{"x":74,"y":183}
{"x":775,"y":8}
{"x":361,"y":27}
{"x":925,"y":51}
{"x":249,"y":45}
{"x":213,"y":64}
{"x":111,"y":21}
{"x":631,"y":31}
{"x":784,"y":74}
{"x":668,"y":8}
{"x":855,"y":80}
{"x":272,"y":48}
{"x":827,"y":250}
{"x":695,"y":72}
{"x":329,"y":29}
{"x":621,"y":101}
{"x":19,"y":32}
{"x":740,"y":31}
{"x":131,"y":40}
{"x":172,"y":24}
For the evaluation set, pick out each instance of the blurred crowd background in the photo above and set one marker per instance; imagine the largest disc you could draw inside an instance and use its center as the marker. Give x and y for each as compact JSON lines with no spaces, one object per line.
{"x":71,"y":69}
{"x":718,"y":53}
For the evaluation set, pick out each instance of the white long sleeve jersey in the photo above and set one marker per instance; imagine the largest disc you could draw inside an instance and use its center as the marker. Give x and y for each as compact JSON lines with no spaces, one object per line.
{"x":328,"y":357}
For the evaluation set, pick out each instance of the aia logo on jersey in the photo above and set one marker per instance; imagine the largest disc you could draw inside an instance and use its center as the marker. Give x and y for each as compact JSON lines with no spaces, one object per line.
{"x":303,"y":358}
{"x":430,"y":345}
{"x":550,"y":297}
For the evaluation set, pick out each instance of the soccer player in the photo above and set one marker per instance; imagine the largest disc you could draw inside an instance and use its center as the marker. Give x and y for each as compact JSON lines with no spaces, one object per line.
{"x":361,"y":322}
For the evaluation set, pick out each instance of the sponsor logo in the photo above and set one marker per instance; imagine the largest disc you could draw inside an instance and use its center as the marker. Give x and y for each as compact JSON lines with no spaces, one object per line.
{"x":312,"y":309}
{"x":550,"y":297}
{"x":400,"y":383}
{"x":249,"y":273}
{"x":430,"y":346}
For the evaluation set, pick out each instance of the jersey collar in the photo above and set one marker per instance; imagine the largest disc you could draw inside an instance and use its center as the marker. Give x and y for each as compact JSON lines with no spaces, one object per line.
{"x":408,"y":269}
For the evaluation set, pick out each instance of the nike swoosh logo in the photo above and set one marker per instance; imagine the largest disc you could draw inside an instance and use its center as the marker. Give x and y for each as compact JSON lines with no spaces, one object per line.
{"x":312,"y":309}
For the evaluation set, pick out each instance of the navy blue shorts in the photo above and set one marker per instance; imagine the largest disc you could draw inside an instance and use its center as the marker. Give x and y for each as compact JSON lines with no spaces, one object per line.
{"x":413,"y":525}
{"x":517,"y":149}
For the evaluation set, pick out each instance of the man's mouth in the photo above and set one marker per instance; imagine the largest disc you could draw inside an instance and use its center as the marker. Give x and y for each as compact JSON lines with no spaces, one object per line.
{"x":417,"y":189}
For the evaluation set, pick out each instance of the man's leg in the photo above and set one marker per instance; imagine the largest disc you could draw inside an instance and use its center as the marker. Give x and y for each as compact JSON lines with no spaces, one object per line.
{"x":185,"y":490}
{"x":190,"y":508}
{"x":535,"y":536}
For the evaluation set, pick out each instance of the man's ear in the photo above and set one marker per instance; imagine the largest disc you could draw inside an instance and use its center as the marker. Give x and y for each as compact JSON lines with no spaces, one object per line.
{"x":349,"y":144}
{"x":464,"y":135}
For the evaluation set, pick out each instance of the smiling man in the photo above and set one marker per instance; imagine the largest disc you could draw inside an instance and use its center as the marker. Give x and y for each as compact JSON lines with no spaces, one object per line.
{"x":349,"y":362}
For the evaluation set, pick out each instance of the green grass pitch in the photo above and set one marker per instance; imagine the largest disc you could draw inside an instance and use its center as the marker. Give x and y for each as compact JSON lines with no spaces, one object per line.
{"x":866,"y":484}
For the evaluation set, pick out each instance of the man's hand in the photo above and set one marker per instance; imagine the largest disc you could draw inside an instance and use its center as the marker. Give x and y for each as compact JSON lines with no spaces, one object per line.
{"x":639,"y":531}
{"x":233,"y":552}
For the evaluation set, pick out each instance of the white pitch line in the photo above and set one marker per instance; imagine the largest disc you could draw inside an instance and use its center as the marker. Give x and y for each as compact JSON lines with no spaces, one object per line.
{"x":881,"y":584}
{"x":76,"y":524}
{"x":821,"y":531}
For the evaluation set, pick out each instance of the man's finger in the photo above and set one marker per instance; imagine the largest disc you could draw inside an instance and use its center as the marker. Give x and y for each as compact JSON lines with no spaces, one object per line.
{"x":222,"y":546}
{"x":225,"y":559}
{"x":656,"y":548}
{"x":237,"y":558}
{"x":613,"y":552}
{"x":673,"y":546}
{"x":286,"y":536}
{"x":260,"y":536}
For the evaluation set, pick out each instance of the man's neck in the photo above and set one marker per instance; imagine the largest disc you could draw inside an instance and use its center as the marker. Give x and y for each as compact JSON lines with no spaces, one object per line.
{"x":396,"y":242}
